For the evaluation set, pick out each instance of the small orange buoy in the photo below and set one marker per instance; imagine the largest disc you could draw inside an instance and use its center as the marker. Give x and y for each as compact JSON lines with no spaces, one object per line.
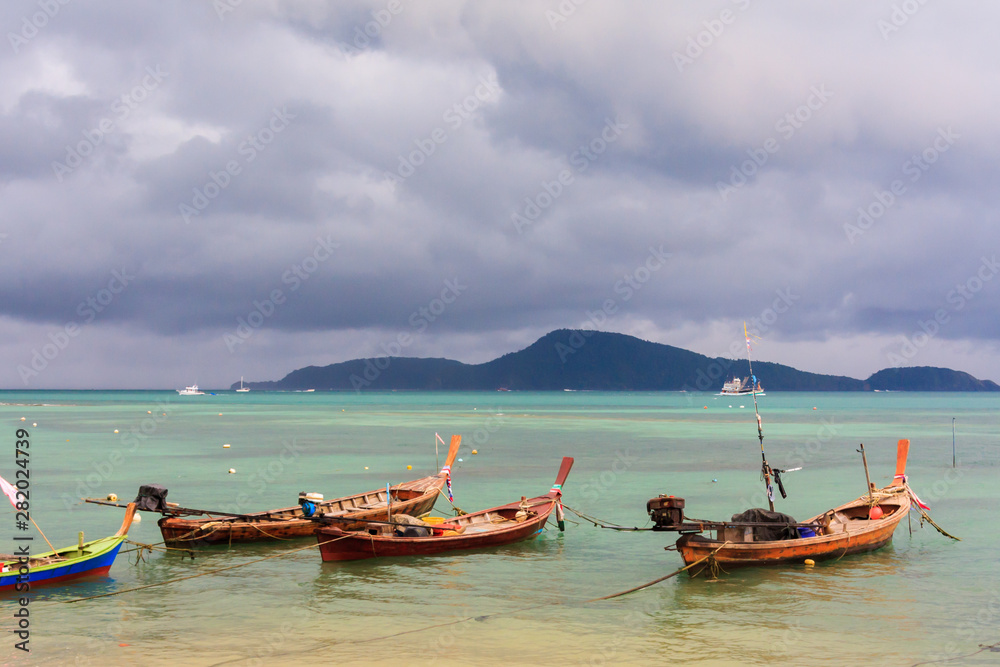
{"x":814,"y":407}
{"x":875,"y":513}
{"x":809,"y":562}
{"x":409,"y":467}
{"x":706,"y":407}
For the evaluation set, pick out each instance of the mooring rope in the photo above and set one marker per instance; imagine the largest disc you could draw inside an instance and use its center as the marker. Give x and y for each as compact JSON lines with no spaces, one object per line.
{"x":925,"y":515}
{"x":483,"y":617}
{"x":599,"y":523}
{"x":656,"y":581}
{"x":458,"y":510}
{"x":982,"y":647}
{"x":195,"y":576}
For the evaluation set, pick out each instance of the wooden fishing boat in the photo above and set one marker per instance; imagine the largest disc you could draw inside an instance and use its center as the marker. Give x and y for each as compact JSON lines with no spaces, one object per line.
{"x":862,"y":525}
{"x":499,"y":525}
{"x":416,"y":498}
{"x":85,"y":559}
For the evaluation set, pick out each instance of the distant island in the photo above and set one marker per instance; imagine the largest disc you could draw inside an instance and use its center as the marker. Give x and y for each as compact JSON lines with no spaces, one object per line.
{"x":594,"y":360}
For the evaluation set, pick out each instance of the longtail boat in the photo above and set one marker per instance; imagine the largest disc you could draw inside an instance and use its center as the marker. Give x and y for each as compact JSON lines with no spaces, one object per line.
{"x":766,"y":537}
{"x":496,"y":526}
{"x":862,"y":525}
{"x":84,"y":559}
{"x":416,"y":498}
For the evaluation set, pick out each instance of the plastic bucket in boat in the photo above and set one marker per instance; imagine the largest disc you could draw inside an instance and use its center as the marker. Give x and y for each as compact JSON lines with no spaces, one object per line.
{"x":805,"y":531}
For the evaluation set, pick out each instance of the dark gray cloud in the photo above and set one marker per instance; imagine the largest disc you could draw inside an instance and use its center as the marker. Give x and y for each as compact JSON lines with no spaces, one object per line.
{"x":323,"y":176}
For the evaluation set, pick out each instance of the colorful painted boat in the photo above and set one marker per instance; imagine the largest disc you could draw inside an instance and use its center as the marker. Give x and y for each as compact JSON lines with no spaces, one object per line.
{"x":85,"y":559}
{"x":861,"y":525}
{"x":489,"y":528}
{"x":416,"y":498}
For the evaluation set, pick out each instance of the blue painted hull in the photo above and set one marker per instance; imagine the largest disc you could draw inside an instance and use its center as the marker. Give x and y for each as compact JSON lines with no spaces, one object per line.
{"x":97,"y":564}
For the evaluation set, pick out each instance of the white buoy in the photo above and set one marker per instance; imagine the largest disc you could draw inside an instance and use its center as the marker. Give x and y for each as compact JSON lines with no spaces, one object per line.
{"x":34,"y":423}
{"x":116,"y":430}
{"x":113,"y":497}
{"x":137,"y":518}
{"x":232,"y":471}
{"x":226,"y":446}
{"x":22,"y":418}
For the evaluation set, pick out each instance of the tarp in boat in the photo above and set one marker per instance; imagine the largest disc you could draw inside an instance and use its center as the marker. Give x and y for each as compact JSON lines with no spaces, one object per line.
{"x":151,"y":498}
{"x":783,"y":528}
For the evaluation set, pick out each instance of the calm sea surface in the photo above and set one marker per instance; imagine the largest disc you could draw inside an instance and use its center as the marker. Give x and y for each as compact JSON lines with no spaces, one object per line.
{"x":923,"y":598}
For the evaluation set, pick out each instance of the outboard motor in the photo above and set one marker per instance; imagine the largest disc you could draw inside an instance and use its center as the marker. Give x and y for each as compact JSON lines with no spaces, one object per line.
{"x":666,"y":512}
{"x":308,"y":502}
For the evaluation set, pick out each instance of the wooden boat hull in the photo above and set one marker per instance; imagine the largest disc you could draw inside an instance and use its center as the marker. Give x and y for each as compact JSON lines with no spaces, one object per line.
{"x":339,"y":545}
{"x":488,"y":528}
{"x":186,"y":533}
{"x":415,"y":498}
{"x":95,"y":559}
{"x":857,"y":535}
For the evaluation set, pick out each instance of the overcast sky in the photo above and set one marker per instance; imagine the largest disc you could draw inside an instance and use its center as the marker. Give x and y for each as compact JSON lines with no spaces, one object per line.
{"x":193,"y":192}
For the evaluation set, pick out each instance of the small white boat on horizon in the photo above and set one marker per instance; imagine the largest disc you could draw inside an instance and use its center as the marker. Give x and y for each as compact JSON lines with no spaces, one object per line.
{"x":242,"y":388}
{"x":735,"y":387}
{"x":191,"y":391}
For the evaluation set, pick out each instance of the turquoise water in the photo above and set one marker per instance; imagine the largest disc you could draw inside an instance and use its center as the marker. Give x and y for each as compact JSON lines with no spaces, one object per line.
{"x":924,"y":598}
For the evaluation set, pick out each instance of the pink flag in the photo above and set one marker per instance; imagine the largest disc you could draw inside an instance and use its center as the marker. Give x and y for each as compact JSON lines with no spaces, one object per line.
{"x":9,"y":491}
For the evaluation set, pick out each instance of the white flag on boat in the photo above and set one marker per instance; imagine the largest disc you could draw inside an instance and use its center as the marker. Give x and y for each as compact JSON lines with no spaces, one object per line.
{"x":9,"y":491}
